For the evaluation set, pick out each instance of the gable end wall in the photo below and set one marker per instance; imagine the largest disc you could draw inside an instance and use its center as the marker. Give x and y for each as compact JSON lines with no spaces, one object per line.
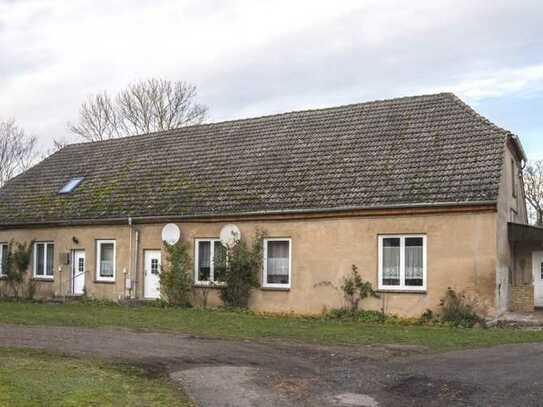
{"x":510,"y":209}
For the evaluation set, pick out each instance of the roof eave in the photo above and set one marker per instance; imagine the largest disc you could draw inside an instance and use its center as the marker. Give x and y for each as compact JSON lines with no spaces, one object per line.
{"x":162,"y":218}
{"x":519,"y":147}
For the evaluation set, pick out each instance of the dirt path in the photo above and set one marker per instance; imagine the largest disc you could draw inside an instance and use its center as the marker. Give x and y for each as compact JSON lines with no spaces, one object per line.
{"x":228,"y":373}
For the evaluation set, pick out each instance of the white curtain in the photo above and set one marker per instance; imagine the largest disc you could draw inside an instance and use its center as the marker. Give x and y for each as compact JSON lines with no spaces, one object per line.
{"x":50,"y":258}
{"x":106,"y":260}
{"x":204,"y":261}
{"x":391,"y":263}
{"x":413,"y":262}
{"x":278,"y":262}
{"x":40,"y":253}
{"x":204,"y":254}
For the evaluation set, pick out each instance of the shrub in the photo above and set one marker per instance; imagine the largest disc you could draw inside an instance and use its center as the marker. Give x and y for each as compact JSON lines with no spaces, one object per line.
{"x":427,"y":317}
{"x":356,"y":290}
{"x":243,"y":264}
{"x":31,"y":289}
{"x":176,"y":276}
{"x":346,"y":314}
{"x":16,"y":266}
{"x":459,"y":311}
{"x":206,"y":290}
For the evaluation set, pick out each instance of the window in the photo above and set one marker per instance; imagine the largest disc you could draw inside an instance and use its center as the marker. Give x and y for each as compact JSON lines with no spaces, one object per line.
{"x":3,"y":257}
{"x":154,"y":266}
{"x":43,"y":260}
{"x":209,"y":261}
{"x":277,"y":263}
{"x":105,"y":264}
{"x":402,"y":262}
{"x":72,"y":184}
{"x":514,"y":178}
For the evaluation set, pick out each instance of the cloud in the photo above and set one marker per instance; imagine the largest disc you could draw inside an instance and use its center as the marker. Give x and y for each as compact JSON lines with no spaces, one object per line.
{"x":254,"y":57}
{"x":525,"y":80}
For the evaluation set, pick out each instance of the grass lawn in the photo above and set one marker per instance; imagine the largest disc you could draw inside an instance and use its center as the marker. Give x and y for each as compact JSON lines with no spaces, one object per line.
{"x":31,"y":378}
{"x":239,"y":325}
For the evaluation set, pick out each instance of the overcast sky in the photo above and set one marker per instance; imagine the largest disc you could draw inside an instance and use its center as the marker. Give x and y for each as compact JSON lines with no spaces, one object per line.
{"x":250,"y":57}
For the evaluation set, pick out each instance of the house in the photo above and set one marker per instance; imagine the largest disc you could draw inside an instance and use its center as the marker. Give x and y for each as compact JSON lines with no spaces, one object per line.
{"x":420,"y":193}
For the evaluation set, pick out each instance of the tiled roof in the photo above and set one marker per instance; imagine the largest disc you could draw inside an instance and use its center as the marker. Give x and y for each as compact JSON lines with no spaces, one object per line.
{"x":416,"y":150}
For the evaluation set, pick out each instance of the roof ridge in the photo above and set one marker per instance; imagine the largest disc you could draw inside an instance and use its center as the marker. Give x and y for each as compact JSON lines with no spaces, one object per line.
{"x":269,"y":116}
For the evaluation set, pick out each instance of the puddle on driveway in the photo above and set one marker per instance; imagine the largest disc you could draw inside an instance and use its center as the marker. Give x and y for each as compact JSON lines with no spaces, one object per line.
{"x":426,"y":388}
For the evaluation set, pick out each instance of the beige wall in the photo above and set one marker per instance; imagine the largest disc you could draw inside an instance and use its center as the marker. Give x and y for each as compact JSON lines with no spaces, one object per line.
{"x":86,"y":237}
{"x":461,"y":254}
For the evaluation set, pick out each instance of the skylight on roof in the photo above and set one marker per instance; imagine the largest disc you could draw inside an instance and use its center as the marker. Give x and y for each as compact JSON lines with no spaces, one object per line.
{"x":70,"y":185}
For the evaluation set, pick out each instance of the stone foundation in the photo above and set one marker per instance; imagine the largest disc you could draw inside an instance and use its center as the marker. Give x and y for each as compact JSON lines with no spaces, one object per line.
{"x":522,"y":298}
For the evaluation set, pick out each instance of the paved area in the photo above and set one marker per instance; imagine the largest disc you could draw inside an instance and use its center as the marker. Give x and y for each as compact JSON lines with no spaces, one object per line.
{"x":526,"y":319}
{"x":229,"y":373}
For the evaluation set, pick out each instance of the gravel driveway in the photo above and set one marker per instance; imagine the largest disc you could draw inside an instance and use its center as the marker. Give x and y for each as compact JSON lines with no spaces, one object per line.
{"x":231,"y":373}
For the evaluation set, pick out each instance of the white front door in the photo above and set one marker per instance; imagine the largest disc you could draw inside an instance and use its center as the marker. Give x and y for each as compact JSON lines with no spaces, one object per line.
{"x":78,"y":273}
{"x":151,"y":284}
{"x":537,"y":262}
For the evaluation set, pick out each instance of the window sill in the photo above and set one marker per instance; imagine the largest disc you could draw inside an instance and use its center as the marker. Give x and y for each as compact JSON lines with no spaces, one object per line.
{"x":41,"y":279}
{"x":104,"y":281}
{"x":400,"y":291}
{"x":207,"y":285}
{"x":263,"y":288}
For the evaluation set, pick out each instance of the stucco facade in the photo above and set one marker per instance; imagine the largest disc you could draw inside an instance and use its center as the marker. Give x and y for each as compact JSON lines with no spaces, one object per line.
{"x":461,"y":253}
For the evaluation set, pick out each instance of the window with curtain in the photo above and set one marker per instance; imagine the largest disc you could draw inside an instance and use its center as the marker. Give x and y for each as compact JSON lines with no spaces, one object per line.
{"x":402,"y":262}
{"x":3,"y":257}
{"x":210,"y":261}
{"x":391,"y":261}
{"x":414,"y":262}
{"x":219,"y":261}
{"x":204,"y":261}
{"x":105,"y":260}
{"x":44,"y":254}
{"x":277,"y":263}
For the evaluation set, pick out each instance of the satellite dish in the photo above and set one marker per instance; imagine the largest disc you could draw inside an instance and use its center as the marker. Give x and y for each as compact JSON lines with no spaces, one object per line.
{"x":229,"y":235}
{"x":171,"y":233}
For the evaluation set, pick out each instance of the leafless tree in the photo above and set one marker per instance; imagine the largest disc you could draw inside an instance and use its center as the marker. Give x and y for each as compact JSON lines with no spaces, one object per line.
{"x":58,"y":144}
{"x":533,"y":183}
{"x":143,"y":107}
{"x":17,"y":150}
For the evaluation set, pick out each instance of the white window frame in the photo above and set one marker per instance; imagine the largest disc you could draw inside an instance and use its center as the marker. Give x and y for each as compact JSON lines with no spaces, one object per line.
{"x":99,"y":244}
{"x":211,"y":262}
{"x":35,"y":261}
{"x":265,"y":283}
{"x":402,"y":286}
{"x":3,"y":245}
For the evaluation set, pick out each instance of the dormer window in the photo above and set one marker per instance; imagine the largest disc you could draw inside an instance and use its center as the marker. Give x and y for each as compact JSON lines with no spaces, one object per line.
{"x":71,"y":185}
